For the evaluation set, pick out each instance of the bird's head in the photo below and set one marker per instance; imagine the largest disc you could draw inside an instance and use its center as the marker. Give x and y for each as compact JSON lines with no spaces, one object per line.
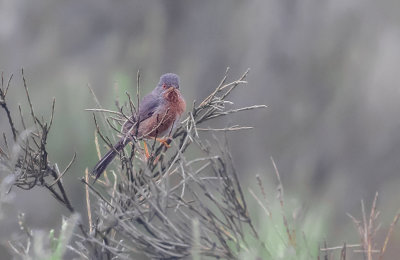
{"x":168,"y":82}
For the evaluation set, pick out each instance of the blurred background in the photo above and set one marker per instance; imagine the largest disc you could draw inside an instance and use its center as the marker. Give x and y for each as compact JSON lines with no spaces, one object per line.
{"x":328,"y":70}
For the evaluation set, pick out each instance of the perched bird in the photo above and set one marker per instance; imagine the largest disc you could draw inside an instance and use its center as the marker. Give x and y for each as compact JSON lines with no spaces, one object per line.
{"x":158,"y":113}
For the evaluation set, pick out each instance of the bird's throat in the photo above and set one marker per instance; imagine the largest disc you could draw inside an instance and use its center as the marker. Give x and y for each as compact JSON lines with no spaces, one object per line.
{"x":172,"y":96}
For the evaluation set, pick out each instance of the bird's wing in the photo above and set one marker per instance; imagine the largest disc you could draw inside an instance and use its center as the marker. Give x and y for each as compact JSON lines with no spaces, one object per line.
{"x":148,"y":105}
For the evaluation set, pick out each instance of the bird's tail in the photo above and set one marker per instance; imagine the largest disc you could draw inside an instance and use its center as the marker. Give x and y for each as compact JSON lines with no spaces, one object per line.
{"x":101,"y":165}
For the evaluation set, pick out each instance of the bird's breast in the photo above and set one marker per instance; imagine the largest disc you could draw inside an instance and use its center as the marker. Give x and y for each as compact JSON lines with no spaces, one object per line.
{"x":161,"y":122}
{"x":175,"y":102}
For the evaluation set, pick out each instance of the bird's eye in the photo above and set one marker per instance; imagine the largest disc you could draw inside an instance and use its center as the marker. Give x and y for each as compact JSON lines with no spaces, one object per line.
{"x":164,"y":86}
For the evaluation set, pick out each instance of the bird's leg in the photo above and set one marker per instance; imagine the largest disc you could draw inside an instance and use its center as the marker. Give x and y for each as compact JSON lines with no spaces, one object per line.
{"x":164,"y":141}
{"x":146,"y":150}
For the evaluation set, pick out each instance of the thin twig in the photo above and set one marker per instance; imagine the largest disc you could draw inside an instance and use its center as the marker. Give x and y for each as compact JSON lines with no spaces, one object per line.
{"x":65,"y":170}
{"x":388,"y":235}
{"x":89,"y":211}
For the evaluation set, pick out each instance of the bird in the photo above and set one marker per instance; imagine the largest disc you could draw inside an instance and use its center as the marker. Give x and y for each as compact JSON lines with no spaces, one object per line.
{"x":158,"y":113}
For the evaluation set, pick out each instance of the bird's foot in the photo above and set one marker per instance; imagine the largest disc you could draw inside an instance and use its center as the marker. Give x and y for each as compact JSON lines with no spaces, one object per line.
{"x":164,"y":141}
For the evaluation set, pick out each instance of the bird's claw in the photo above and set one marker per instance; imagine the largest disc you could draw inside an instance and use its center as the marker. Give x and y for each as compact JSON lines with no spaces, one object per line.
{"x":164,"y":141}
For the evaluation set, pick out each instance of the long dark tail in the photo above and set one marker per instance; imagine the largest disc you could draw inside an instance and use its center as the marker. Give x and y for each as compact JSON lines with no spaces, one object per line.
{"x":101,"y":165}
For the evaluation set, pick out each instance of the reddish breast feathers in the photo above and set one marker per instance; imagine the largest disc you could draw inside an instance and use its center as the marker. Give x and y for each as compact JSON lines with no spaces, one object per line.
{"x":160,"y":123}
{"x":175,"y":101}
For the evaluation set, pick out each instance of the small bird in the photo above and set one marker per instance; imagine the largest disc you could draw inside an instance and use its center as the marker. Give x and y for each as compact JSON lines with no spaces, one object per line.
{"x":158,"y":113}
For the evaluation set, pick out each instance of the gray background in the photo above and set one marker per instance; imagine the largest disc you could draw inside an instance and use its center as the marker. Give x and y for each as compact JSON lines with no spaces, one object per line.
{"x":328,"y":70}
